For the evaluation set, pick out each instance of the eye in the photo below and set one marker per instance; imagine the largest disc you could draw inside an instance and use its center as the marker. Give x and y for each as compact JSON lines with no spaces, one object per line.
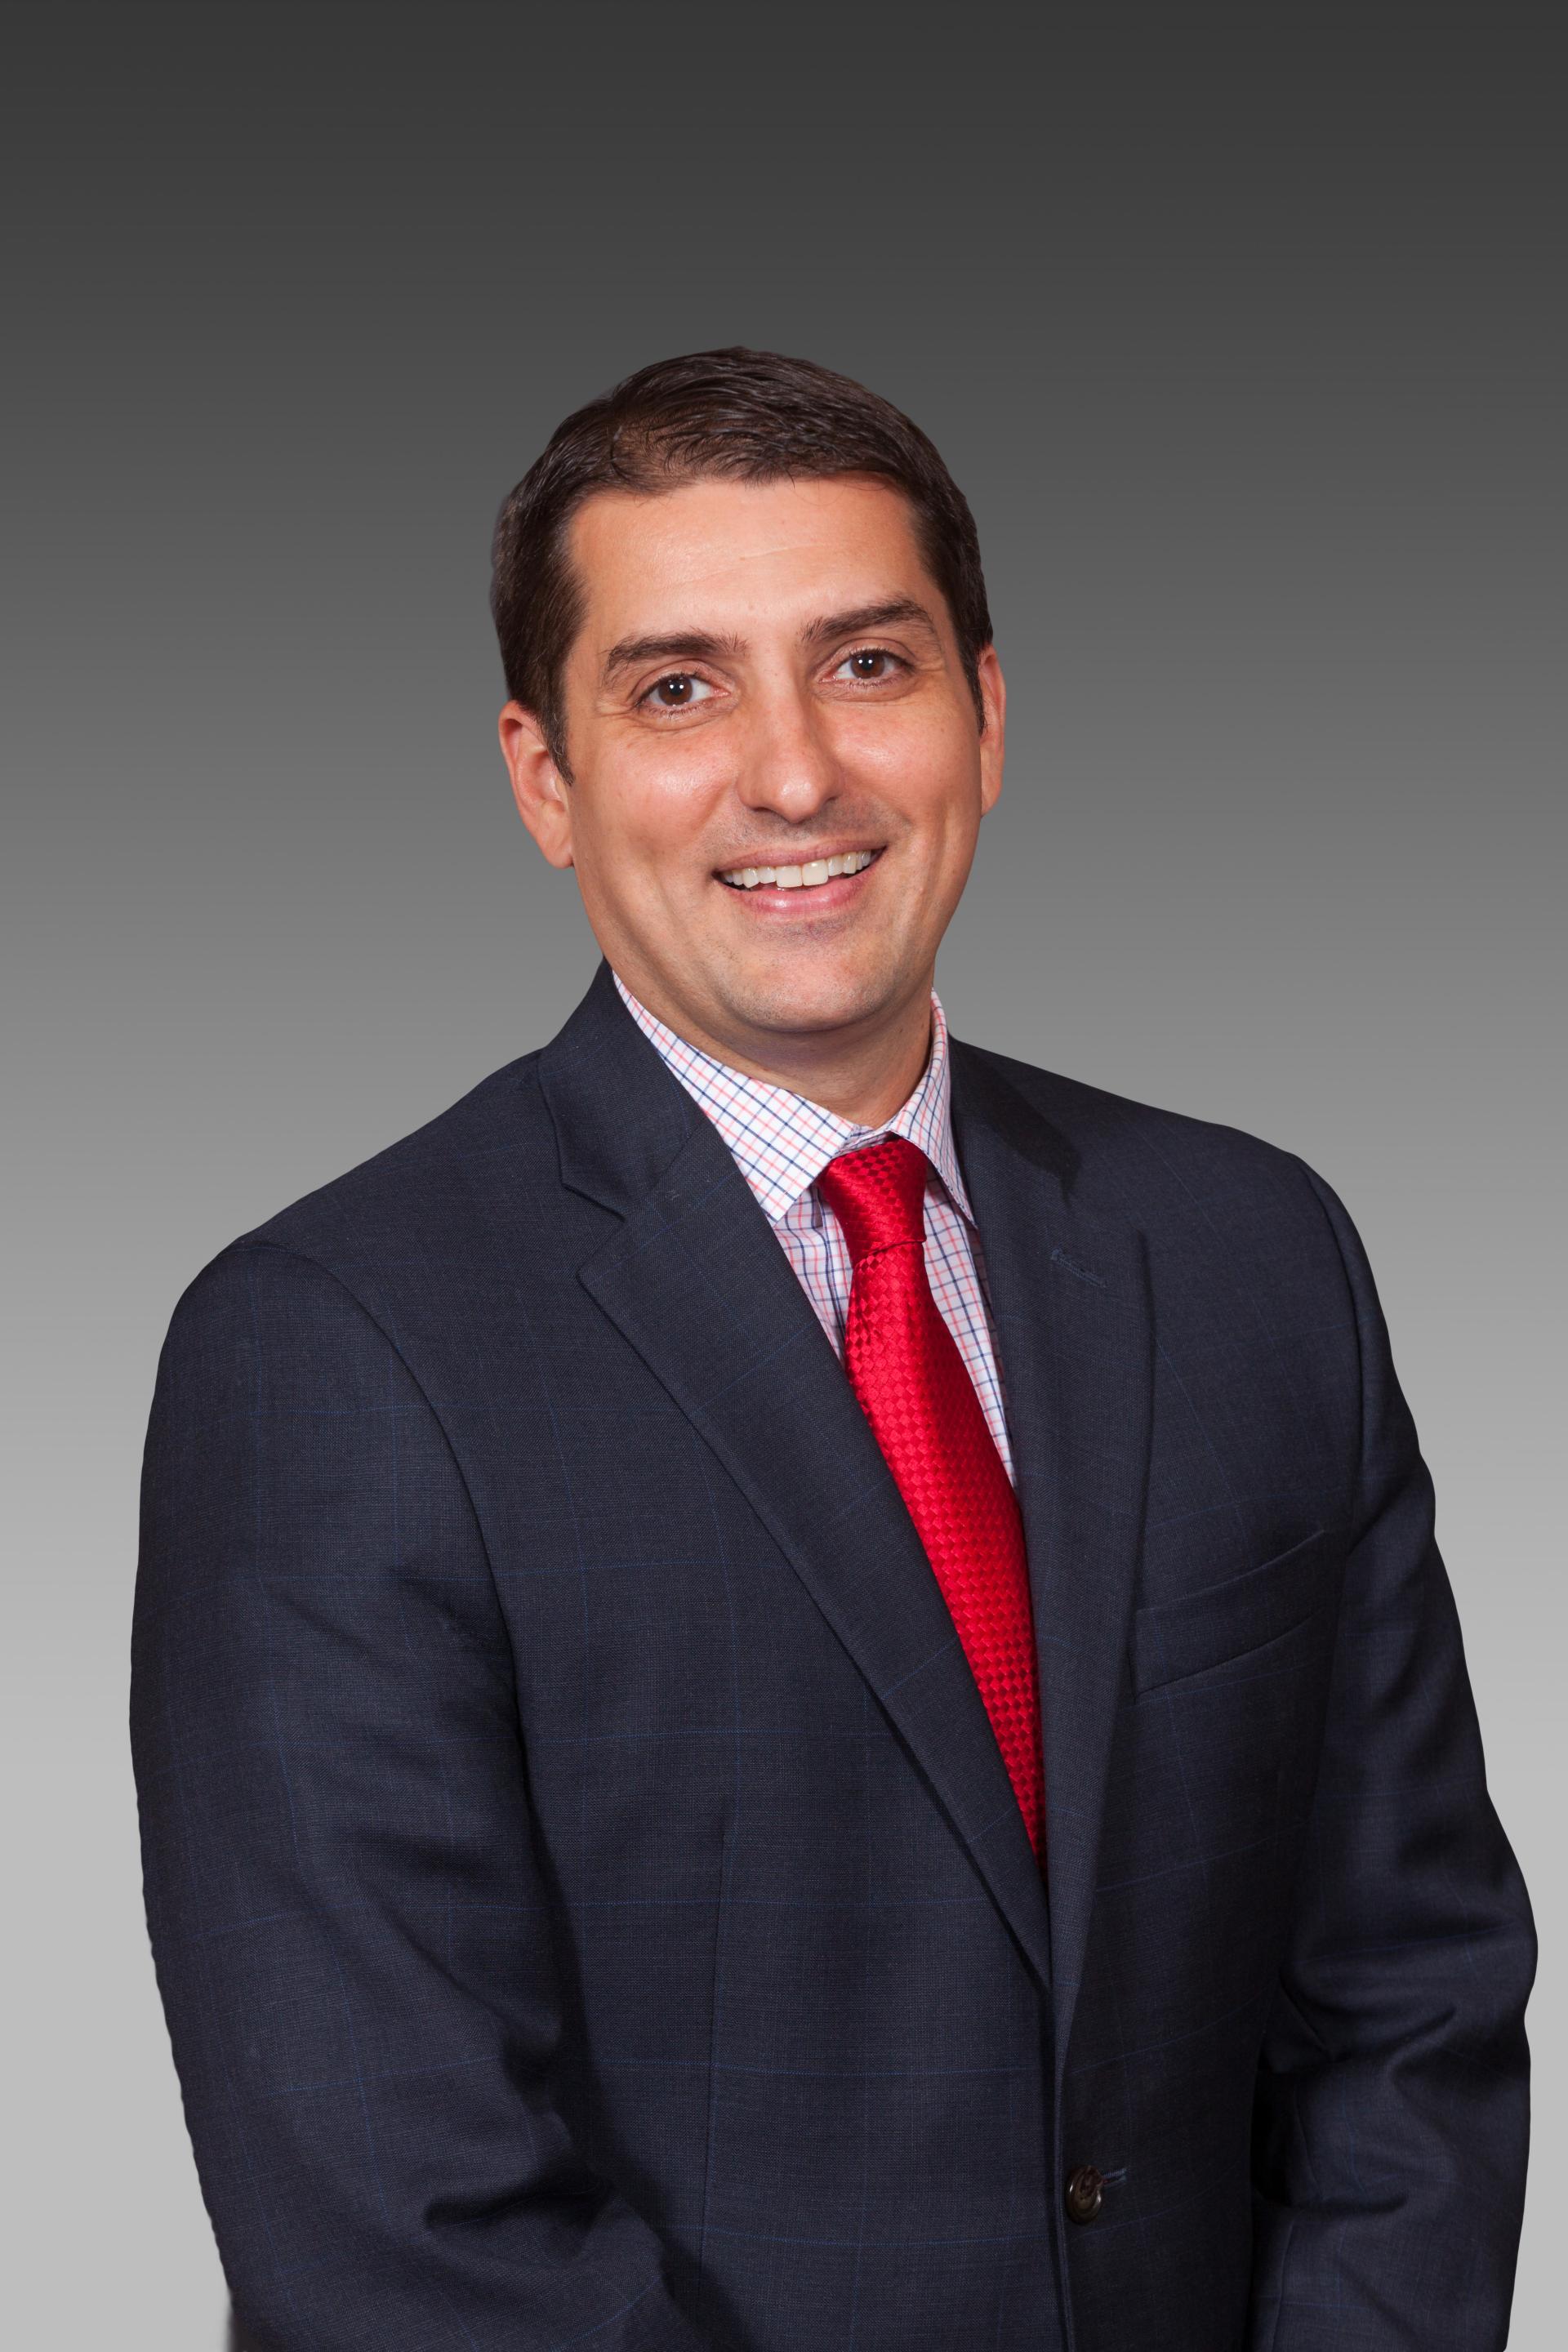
{"x":870,"y":664}
{"x":677,"y":691}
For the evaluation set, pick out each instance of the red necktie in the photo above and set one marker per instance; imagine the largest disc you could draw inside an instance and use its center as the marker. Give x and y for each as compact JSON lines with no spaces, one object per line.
{"x":904,"y":1366}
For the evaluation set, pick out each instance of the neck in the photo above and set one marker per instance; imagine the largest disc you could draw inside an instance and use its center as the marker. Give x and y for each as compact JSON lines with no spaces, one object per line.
{"x":863,"y":1074}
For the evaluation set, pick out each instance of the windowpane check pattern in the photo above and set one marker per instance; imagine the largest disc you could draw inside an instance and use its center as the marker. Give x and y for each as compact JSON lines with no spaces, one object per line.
{"x":780,"y":1143}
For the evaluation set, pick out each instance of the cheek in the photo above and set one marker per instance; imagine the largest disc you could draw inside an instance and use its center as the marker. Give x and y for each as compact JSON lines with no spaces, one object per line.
{"x":924,"y":762}
{"x":647,"y":824}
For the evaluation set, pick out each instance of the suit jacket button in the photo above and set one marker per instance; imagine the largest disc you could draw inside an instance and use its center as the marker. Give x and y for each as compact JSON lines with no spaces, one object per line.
{"x":1086,"y":2193}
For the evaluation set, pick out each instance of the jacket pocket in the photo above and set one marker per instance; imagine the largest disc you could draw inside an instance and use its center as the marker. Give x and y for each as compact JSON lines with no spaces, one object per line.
{"x":1174,"y":1638}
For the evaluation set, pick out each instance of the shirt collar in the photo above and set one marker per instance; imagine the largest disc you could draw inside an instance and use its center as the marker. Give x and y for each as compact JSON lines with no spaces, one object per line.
{"x":781,"y":1141}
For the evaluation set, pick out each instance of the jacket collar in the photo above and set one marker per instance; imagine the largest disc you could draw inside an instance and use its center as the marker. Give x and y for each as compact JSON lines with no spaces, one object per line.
{"x":1071,"y":1307}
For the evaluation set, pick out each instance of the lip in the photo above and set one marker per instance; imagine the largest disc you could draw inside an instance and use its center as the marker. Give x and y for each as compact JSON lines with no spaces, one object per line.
{"x":821,"y":897}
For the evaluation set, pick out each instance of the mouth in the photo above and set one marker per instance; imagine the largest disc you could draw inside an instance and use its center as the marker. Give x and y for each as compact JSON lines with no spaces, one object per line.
{"x":806,"y":877}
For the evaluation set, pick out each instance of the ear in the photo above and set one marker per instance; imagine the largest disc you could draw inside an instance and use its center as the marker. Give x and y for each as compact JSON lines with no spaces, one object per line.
{"x":543,"y":796}
{"x":994,"y":741}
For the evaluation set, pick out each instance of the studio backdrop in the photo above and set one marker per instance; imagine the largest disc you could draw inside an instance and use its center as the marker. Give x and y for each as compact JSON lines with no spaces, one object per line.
{"x":1242,"y":331}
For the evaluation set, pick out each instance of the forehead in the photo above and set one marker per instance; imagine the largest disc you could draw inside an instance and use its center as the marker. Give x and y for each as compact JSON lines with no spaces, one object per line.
{"x":731,"y":554}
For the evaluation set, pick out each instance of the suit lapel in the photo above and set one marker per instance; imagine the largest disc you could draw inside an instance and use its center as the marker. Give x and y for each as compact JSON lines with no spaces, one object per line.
{"x":694,"y":1279}
{"x":1069,"y":1291}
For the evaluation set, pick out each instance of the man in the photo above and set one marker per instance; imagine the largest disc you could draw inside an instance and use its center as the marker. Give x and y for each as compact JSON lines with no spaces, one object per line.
{"x":791,"y":1688}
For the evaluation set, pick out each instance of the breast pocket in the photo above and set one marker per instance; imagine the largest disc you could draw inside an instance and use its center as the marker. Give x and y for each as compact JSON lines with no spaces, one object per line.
{"x":1175,"y":1638}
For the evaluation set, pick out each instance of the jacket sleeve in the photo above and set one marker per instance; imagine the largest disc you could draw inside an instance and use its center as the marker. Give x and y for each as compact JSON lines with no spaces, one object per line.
{"x":350,"y":1923}
{"x":1392,"y":2118}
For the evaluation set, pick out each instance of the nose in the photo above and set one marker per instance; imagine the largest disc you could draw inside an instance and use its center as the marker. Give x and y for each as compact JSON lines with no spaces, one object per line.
{"x":787,"y":764}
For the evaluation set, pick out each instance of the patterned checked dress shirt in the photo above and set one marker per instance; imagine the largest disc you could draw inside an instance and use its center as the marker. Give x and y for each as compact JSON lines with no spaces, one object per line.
{"x":782,"y":1143}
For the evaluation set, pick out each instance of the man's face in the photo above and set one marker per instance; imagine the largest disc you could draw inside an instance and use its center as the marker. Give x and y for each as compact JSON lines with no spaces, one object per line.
{"x":765,"y":677}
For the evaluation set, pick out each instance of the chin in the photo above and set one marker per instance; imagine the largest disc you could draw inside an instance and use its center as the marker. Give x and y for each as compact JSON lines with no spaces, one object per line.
{"x":796,"y":1000}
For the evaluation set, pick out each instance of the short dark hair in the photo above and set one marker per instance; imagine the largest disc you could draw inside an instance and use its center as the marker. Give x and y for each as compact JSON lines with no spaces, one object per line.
{"x":756,"y":416}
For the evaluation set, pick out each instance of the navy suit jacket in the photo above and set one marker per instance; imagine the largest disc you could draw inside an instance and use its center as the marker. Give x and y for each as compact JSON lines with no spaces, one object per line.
{"x":587,"y":1897}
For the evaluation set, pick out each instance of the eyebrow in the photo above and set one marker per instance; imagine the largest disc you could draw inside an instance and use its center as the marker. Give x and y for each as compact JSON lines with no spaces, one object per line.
{"x":698,"y":645}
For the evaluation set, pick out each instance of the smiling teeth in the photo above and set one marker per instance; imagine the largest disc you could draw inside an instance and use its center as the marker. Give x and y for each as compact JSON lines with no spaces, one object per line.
{"x":799,"y":878}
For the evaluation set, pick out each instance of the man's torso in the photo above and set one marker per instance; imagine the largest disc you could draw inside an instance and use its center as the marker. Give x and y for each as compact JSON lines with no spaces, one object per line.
{"x":828,"y":2031}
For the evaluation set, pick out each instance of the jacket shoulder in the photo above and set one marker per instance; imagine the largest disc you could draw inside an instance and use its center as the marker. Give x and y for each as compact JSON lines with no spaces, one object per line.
{"x":1106,"y":1125}
{"x":408,"y":1198}
{"x":1167,"y":1168}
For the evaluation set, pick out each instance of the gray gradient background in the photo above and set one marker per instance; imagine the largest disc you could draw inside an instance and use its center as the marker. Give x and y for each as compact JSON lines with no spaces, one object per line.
{"x":1243,"y":330}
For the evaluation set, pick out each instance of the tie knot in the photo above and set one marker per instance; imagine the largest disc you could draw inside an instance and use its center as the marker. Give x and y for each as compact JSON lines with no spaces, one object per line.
{"x":878,"y":1195}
